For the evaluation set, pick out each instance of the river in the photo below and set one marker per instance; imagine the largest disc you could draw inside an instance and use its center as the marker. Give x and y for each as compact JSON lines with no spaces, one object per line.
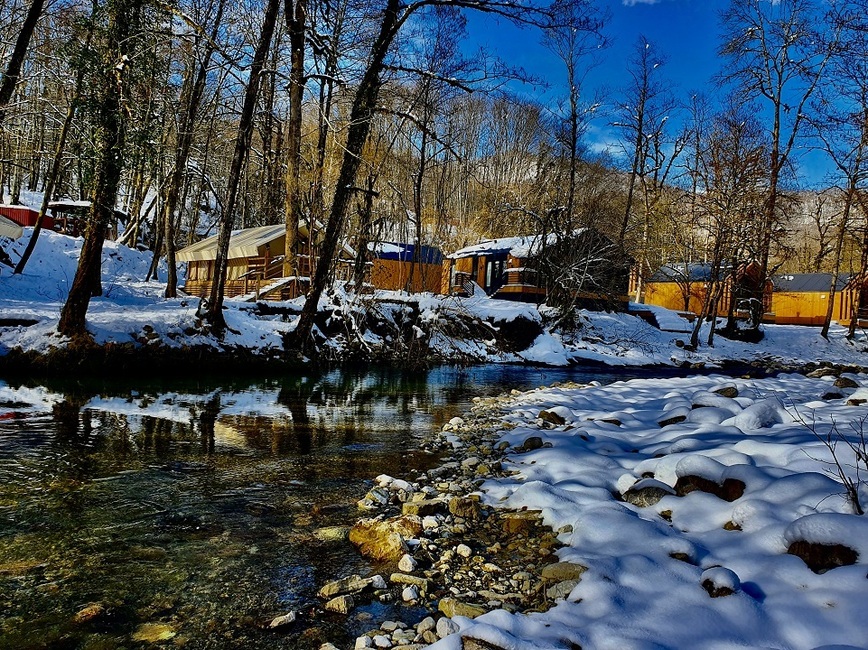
{"x":193,"y":512}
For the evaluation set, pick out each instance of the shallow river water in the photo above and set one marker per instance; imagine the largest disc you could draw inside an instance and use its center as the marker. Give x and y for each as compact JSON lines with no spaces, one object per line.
{"x":189,"y":514}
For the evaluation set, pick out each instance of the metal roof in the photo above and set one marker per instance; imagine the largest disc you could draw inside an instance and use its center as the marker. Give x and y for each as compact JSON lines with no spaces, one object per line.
{"x":807,"y":282}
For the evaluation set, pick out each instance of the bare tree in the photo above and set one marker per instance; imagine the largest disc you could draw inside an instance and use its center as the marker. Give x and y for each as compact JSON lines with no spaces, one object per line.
{"x":775,"y":55}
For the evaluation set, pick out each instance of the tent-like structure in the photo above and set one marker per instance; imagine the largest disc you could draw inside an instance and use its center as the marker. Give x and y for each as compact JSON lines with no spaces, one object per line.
{"x":9,"y":228}
{"x":255,"y":263}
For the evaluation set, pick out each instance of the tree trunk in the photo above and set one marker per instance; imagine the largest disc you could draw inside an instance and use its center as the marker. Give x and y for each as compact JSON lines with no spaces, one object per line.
{"x":242,"y":144}
{"x":109,"y":147}
{"x":182,"y":155}
{"x":13,"y":70}
{"x":296,"y":16}
{"x":364,"y":106}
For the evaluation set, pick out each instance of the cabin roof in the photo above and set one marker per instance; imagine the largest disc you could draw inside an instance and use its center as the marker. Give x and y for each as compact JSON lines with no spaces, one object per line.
{"x":681,"y":272}
{"x":520,"y":247}
{"x":807,"y":282}
{"x":405,"y":252}
{"x":9,"y":228}
{"x":243,"y":243}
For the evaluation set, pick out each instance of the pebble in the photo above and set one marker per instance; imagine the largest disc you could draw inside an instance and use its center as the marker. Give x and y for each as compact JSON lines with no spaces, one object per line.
{"x":410,"y":594}
{"x":445,"y":627}
{"x":407,"y":564}
{"x":463,"y":550}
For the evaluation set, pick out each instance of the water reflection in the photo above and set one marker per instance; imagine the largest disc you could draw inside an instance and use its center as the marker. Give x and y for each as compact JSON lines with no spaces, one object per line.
{"x":193,"y":505}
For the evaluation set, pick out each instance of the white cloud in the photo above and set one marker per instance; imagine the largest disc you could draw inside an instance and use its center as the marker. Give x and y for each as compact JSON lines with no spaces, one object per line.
{"x":631,"y":3}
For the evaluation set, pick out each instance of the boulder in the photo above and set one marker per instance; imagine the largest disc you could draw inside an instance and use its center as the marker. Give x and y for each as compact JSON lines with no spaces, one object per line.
{"x":845,"y":382}
{"x":647,"y":492}
{"x":531,"y":443}
{"x":467,"y":507}
{"x":452,"y":607}
{"x":552,"y":418}
{"x":424,"y":508}
{"x":731,"y":489}
{"x":350,"y":585}
{"x":340,"y":604}
{"x":383,"y":539}
{"x":719,"y":582}
{"x":282,"y":621}
{"x":445,"y":627}
{"x":560,"y":571}
{"x":727,"y":391}
{"x":822,"y":557}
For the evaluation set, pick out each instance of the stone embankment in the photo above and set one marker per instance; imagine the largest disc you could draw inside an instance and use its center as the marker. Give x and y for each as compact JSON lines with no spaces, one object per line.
{"x":450,"y":553}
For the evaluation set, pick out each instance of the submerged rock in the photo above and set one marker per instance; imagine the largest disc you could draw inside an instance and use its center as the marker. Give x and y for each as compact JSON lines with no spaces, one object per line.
{"x":380,"y":539}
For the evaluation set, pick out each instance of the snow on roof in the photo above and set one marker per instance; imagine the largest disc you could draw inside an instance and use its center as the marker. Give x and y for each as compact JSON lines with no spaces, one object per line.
{"x":405,"y":252}
{"x":242,"y":243}
{"x":521,"y":246}
{"x":9,"y":228}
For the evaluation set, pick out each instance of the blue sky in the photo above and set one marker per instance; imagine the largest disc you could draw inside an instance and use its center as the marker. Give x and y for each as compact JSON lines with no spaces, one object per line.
{"x":687,"y":32}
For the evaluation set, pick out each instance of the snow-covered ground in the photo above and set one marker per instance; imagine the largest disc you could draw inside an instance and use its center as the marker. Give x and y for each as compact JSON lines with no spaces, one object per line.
{"x":652,"y":567}
{"x":133,"y":311}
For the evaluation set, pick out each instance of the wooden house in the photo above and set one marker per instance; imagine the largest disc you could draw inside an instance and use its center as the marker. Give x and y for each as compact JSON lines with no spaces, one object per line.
{"x":684,"y":287}
{"x":24,"y":216}
{"x":516,"y":268}
{"x":392,"y":265}
{"x":803,"y":298}
{"x":255,"y":264}
{"x":853,"y":298}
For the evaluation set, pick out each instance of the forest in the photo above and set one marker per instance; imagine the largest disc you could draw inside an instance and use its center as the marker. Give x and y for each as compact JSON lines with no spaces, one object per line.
{"x":382,"y":121}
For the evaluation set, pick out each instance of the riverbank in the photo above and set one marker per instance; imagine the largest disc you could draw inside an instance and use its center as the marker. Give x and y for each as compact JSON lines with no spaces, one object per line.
{"x":707,"y":512}
{"x":133,"y":328}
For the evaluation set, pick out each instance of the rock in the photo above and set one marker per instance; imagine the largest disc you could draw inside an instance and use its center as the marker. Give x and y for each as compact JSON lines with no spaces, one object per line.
{"x":719,"y":582}
{"x":445,"y":627}
{"x":831,"y":395}
{"x":845,"y":382}
{"x":378,"y":495}
{"x":453,"y":607}
{"x":349,"y":585}
{"x":378,"y":582}
{"x":552,"y":418}
{"x":731,"y":489}
{"x":647,"y":492}
{"x":332,"y":533}
{"x":407,"y":564}
{"x":382,"y":641}
{"x":384,"y":539}
{"x":531,"y":443}
{"x":727,"y":391}
{"x":469,"y":643}
{"x":363,"y":642}
{"x":328,"y":646}
{"x":560,"y":571}
{"x":822,"y":557}
{"x":282,"y":621}
{"x":561,"y":589}
{"x":424,"y":508}
{"x":823,"y":372}
{"x":153,"y":632}
{"x":89,"y":613}
{"x":467,"y":507}
{"x":427,"y":624}
{"x":416,"y":581}
{"x":410,"y":594}
{"x":463,"y":550}
{"x":340,"y":604}
{"x":675,"y":419}
{"x":430,"y":522}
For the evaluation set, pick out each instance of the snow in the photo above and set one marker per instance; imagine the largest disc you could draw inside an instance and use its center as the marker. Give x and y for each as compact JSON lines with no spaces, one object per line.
{"x":134,"y":312}
{"x":635,"y":594}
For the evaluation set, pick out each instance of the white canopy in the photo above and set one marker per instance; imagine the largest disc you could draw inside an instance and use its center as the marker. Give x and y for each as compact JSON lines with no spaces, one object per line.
{"x":242,"y":243}
{"x":10,"y":229}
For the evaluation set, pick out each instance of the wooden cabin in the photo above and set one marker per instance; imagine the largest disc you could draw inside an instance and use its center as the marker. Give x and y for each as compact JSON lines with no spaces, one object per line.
{"x":509,"y":268}
{"x":803,"y":298}
{"x":854,"y":294}
{"x":24,"y":216}
{"x":684,"y":287}
{"x":255,"y":264}
{"x":392,"y":266}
